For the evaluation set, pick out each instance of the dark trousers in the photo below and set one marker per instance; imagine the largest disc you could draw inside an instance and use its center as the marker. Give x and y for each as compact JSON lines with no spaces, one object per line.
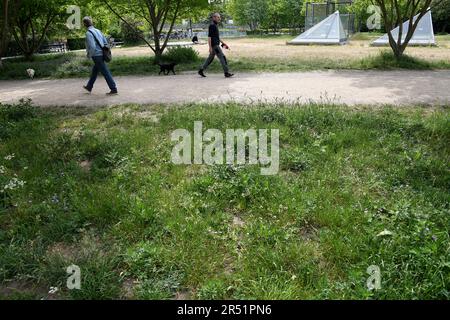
{"x":100,"y":66}
{"x":217,"y":51}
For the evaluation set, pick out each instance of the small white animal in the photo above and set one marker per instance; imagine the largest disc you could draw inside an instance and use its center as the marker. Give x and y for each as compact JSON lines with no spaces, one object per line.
{"x":31,"y":73}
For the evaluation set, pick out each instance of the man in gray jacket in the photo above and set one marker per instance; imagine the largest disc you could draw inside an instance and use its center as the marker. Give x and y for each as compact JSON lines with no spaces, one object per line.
{"x":94,"y":42}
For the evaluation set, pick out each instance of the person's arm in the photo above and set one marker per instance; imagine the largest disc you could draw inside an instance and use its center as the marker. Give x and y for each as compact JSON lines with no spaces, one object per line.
{"x":224,"y":44}
{"x":210,"y":45}
{"x":90,"y":45}
{"x":210,"y":33}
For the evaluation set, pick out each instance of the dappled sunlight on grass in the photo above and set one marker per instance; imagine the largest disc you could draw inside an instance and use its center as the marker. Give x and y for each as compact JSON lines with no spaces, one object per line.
{"x":269,"y":54}
{"x":156,"y":230}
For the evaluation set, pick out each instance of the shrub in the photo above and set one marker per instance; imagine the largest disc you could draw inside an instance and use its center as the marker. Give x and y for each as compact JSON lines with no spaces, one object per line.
{"x":12,"y":114}
{"x":181,"y":55}
{"x":16,"y":112}
{"x":387,"y":60}
{"x":76,"y":44}
{"x":131,"y":33}
{"x":116,"y":33}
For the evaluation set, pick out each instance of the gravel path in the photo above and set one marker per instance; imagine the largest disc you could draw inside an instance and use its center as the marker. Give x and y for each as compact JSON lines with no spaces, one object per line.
{"x":348,"y":87}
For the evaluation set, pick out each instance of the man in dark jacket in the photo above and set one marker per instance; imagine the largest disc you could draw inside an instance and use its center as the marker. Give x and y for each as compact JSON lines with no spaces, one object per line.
{"x":214,"y":47}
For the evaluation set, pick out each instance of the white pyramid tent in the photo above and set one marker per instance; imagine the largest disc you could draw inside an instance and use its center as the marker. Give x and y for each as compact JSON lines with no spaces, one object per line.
{"x":328,"y":31}
{"x":423,"y":35}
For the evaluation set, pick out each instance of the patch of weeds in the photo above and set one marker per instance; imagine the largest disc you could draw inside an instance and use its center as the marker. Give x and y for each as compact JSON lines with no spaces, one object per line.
{"x":296,"y":160}
{"x":387,"y":60}
{"x":157,"y":277}
{"x":181,"y":55}
{"x":214,"y":289}
{"x":240,"y":187}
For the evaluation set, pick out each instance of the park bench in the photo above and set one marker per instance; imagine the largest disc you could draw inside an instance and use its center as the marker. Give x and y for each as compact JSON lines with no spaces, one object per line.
{"x":118,"y":43}
{"x":180,"y":44}
{"x":54,"y":47}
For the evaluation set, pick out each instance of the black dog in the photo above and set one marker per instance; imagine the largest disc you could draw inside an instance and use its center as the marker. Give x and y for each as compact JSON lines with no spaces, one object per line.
{"x":166,"y":68}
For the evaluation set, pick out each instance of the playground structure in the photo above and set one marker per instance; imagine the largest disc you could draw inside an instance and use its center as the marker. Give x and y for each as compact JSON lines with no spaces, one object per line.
{"x":327,"y":23}
{"x":423,"y":35}
{"x":328,"y":31}
{"x":318,"y":11}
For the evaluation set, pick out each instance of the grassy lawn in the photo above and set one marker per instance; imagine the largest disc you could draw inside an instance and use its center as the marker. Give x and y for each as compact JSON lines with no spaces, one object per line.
{"x":252,"y":54}
{"x":97,"y":188}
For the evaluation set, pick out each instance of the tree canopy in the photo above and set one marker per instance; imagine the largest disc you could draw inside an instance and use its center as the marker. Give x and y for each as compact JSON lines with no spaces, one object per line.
{"x":31,"y":22}
{"x":267,"y":14}
{"x":157,"y":14}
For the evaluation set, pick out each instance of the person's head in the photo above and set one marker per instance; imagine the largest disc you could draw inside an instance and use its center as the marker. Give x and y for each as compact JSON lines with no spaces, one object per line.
{"x":87,"y":21}
{"x":216,"y":17}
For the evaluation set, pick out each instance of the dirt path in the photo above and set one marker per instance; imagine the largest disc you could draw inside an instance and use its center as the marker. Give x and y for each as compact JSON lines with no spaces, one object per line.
{"x":349,"y":87}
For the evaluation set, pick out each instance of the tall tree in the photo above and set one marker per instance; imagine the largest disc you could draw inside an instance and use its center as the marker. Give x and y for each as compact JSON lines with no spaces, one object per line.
{"x":293,"y":18}
{"x":32,"y":20}
{"x":4,"y":31}
{"x":158,"y":14}
{"x":274,"y":15}
{"x":394,"y":13}
{"x":441,"y":15}
{"x":252,"y":13}
{"x":267,"y":14}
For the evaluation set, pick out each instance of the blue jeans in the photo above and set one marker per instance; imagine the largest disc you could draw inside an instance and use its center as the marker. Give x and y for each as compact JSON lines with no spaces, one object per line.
{"x":100,"y":66}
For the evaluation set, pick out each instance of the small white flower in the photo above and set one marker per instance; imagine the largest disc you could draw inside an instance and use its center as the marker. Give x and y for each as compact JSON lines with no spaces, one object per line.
{"x":55,"y":199}
{"x":53,"y":290}
{"x":384,"y":233}
{"x":14,"y":183}
{"x":2,"y":170}
{"x":10,"y":157}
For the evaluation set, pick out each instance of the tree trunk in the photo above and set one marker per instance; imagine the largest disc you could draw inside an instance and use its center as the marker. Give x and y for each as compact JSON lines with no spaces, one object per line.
{"x":4,"y":39}
{"x":157,"y":19}
{"x":398,"y":51}
{"x":29,"y":56}
{"x":444,"y":27}
{"x":156,"y":38}
{"x":412,"y":8}
{"x":394,"y":46}
{"x":175,"y":16}
{"x":158,"y":54}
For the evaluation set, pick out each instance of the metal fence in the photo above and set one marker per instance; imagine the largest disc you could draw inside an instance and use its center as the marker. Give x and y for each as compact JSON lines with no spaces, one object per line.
{"x":317,"y":11}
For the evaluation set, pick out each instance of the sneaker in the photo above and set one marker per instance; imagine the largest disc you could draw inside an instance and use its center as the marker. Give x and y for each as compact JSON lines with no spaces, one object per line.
{"x":228,"y":75}
{"x":200,"y":72}
{"x":112,"y":93}
{"x":87,"y":89}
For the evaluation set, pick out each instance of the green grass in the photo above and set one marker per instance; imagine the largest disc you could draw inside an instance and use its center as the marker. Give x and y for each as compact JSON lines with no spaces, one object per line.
{"x":75,"y":65}
{"x":101,"y":192}
{"x":365,"y":36}
{"x":387,"y":61}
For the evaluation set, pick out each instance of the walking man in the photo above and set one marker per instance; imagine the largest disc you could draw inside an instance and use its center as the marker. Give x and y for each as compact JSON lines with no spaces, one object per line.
{"x":95,"y":41}
{"x":214,"y":48}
